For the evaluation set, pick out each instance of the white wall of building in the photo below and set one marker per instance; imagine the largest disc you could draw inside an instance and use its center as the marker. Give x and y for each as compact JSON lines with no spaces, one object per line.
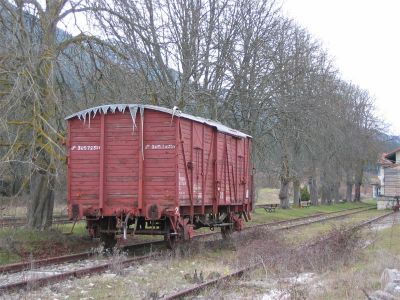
{"x":398,"y":157}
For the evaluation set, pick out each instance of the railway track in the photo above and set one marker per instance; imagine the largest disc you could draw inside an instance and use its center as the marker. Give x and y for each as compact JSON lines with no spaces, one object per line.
{"x":298,"y":222}
{"x":285,"y":224}
{"x":199,"y":287}
{"x":34,"y":267}
{"x":34,"y":264}
{"x":18,"y":222}
{"x":37,"y":282}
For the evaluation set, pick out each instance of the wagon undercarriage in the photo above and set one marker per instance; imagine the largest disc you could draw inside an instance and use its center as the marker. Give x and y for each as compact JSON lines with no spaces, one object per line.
{"x":174,"y":229}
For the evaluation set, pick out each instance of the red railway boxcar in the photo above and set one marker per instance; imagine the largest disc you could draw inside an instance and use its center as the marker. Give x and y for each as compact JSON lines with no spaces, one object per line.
{"x":142,"y":169}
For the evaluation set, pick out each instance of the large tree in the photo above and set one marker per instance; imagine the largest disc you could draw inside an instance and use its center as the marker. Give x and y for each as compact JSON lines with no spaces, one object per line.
{"x":240,"y":62}
{"x":37,"y":87}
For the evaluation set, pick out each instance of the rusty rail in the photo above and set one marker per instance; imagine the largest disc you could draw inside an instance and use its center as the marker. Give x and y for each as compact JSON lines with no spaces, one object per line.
{"x":101,"y":268}
{"x":324,"y":219}
{"x":202,"y":286}
{"x":18,"y":222}
{"x":363,"y":208}
{"x":38,"y":282}
{"x":17,"y":267}
{"x":28,"y":265}
{"x":277,"y":223}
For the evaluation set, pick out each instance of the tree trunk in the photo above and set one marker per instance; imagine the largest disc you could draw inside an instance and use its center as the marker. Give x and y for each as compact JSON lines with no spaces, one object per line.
{"x":349,"y":191}
{"x":349,"y":187}
{"x":357,"y":192}
{"x":313,"y":191}
{"x":359,"y":180}
{"x":330,"y":193}
{"x":336,"y":193}
{"x":324,"y":189}
{"x":40,"y":213}
{"x":283,"y":193}
{"x":44,"y":112}
{"x":323,"y":195}
{"x":284,"y":177}
{"x":296,"y":192}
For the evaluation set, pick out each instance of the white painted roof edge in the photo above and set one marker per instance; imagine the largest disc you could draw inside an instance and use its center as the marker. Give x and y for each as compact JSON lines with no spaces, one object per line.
{"x":86,"y":113}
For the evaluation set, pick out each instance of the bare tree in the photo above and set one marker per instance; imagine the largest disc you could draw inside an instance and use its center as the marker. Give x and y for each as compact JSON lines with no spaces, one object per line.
{"x":240,"y":62}
{"x":35,"y":101}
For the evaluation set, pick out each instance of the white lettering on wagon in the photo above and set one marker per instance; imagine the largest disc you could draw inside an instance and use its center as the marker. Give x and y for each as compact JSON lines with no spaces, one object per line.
{"x":159,"y":146}
{"x":85,"y":148}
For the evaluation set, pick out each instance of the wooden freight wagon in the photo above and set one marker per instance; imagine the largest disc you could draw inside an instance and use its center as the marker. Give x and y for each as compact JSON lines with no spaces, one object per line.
{"x":142,"y":169}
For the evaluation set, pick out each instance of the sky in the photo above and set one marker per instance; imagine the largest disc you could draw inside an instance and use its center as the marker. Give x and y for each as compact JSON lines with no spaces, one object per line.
{"x":363,"y":38}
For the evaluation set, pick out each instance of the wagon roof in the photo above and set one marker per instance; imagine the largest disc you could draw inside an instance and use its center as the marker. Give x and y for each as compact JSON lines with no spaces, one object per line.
{"x":133,"y":108}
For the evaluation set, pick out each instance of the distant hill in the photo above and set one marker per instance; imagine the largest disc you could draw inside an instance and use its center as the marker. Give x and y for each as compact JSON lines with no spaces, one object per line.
{"x":391,"y":142}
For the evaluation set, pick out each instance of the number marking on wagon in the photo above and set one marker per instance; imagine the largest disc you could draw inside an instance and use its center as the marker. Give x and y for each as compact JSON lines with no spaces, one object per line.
{"x":85,"y":148}
{"x":159,"y":146}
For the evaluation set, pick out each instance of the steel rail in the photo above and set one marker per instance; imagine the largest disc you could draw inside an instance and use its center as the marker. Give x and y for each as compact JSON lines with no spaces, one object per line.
{"x":29,"y":265}
{"x":13,"y":218}
{"x":361,"y":209}
{"x":322,"y":219}
{"x":97,"y":269}
{"x":21,"y":266}
{"x":38,"y":282}
{"x":17,"y":267}
{"x":278,"y":223}
{"x":18,"y":222}
{"x":202,"y":286}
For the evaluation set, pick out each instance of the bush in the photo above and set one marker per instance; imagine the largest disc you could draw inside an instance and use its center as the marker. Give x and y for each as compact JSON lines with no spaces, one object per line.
{"x":304,"y":194}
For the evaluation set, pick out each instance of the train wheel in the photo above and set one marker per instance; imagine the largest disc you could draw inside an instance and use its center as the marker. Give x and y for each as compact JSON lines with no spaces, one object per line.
{"x":184,"y":233}
{"x":107,"y":232}
{"x":171,"y":241}
{"x":109,"y":240}
{"x":226,"y":232}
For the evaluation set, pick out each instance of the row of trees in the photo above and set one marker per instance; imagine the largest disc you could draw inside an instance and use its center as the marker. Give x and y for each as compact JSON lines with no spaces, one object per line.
{"x":240,"y":62}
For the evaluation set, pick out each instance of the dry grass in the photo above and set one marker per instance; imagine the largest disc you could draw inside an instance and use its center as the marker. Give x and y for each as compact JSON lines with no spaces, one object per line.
{"x":287,"y":269}
{"x":333,"y":266}
{"x":10,"y":208}
{"x":350,"y":281}
{"x":267,"y":196}
{"x":284,"y":258}
{"x":343,"y":264}
{"x":381,"y":250}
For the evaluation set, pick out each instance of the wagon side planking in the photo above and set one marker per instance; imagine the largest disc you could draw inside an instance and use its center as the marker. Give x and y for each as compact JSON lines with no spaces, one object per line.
{"x":142,"y":169}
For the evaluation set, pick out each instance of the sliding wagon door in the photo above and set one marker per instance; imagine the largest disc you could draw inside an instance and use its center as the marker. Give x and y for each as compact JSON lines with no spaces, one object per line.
{"x":159,"y":163}
{"x":121,"y":165}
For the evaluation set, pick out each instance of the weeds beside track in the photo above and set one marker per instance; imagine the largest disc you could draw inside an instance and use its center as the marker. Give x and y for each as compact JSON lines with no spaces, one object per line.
{"x":196,"y":289}
{"x":280,"y":225}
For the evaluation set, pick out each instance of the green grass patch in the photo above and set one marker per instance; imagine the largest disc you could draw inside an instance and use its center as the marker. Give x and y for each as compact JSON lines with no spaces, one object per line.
{"x":261,"y":216}
{"x":7,"y":257}
{"x":17,"y":244}
{"x":369,"y":201}
{"x":78,"y":230}
{"x":312,"y":230}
